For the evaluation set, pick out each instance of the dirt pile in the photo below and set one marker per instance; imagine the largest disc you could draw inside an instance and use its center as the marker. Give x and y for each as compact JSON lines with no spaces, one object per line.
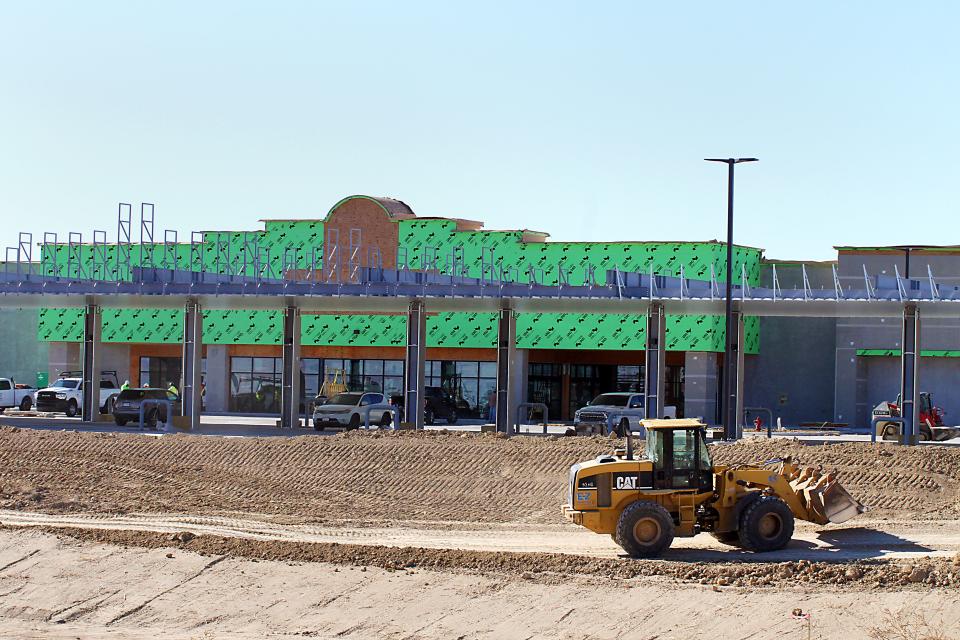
{"x":893,"y":481}
{"x":396,"y":476}
{"x":356,"y":476}
{"x":552,"y":568}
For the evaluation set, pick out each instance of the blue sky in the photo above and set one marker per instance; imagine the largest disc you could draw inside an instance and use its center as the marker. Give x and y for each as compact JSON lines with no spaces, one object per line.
{"x":585,"y":120}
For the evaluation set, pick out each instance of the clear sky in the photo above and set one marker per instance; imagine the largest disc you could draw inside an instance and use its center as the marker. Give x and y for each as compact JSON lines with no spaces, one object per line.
{"x":587,"y":120}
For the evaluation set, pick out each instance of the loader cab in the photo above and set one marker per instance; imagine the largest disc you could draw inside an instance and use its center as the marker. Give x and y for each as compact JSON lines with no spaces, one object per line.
{"x":678,"y":451}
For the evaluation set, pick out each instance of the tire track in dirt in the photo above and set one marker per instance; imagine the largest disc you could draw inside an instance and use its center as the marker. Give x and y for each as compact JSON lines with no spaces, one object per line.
{"x":398,"y":476}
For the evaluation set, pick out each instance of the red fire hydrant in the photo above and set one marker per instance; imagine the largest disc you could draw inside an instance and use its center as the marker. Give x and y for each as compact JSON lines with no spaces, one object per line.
{"x":758,"y":422}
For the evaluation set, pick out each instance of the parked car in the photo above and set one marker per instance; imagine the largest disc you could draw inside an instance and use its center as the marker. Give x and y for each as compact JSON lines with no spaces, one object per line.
{"x":127,"y":406}
{"x":626,"y":408}
{"x":66,"y":393}
{"x":347,"y":411}
{"x":16,"y":395}
{"x":437,"y":403}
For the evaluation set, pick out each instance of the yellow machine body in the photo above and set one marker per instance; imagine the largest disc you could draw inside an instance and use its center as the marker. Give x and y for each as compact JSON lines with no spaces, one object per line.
{"x":677,"y":474}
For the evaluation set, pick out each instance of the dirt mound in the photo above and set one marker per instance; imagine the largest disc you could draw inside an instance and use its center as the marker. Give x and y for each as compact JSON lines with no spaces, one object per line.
{"x":396,"y":476}
{"x":893,"y":481}
{"x":357,"y":476}
{"x":553,"y":568}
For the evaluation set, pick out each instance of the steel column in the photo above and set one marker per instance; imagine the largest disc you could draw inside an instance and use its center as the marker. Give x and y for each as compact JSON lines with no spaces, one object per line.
{"x":506,"y":355}
{"x":909,"y":370}
{"x":191,"y":389}
{"x":92,"y":324}
{"x":290,"y":383}
{"x":733,"y":384}
{"x":414,"y":360}
{"x":654,"y":357}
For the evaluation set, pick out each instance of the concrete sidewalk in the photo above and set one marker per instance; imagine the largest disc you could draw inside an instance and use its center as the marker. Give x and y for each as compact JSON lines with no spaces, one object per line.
{"x":260,"y":426}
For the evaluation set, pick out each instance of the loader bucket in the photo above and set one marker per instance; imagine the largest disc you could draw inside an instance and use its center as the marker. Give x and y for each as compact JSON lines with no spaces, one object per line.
{"x":828,"y":501}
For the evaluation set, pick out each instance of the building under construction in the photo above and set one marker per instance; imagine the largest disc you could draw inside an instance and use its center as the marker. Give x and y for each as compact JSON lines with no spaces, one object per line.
{"x":802,"y":369}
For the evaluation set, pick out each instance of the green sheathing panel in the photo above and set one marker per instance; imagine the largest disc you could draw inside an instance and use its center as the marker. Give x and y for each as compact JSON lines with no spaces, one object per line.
{"x":587,"y":331}
{"x":515,"y":255}
{"x":931,"y":353}
{"x":297,"y":239}
{"x":119,"y":325}
{"x":470,"y":330}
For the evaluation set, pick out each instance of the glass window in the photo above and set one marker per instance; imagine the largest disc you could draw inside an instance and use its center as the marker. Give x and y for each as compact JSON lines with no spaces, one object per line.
{"x":393,"y":367}
{"x":705,"y":462}
{"x":372,"y":367}
{"x":486,"y":396}
{"x":468,"y":369}
{"x":4,"y":385}
{"x":392,"y":385}
{"x":263,"y":365}
{"x":684,"y":449}
{"x":488,"y":369}
{"x":310,"y":365}
{"x":255,"y":384}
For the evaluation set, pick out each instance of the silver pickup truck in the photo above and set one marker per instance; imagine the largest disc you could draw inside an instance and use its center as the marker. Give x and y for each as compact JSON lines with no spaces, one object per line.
{"x":625,"y":407}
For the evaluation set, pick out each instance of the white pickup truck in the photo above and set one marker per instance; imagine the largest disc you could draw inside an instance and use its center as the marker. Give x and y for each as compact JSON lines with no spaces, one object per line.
{"x":625,"y":407}
{"x":66,"y":393}
{"x":15,"y":396}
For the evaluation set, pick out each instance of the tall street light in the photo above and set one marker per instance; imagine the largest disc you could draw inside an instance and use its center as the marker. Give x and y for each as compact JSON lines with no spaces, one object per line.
{"x":729,"y":407}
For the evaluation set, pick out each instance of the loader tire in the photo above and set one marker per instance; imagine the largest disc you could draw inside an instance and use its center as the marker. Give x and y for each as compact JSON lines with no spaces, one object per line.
{"x":766,"y":524}
{"x":645,"y":529}
{"x":727,"y":537}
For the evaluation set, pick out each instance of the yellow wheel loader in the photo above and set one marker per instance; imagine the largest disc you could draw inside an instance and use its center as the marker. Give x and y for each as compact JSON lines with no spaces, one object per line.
{"x":675,"y":490}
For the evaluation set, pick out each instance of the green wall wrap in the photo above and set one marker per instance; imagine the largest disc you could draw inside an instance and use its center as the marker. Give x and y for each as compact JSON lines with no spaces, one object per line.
{"x":300,"y":238}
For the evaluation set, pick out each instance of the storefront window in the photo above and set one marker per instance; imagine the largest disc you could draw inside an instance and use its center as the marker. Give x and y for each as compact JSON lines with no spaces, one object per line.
{"x":630,"y":378}
{"x":255,"y":385}
{"x":545,"y":384}
{"x":160,"y":372}
{"x":468,"y":382}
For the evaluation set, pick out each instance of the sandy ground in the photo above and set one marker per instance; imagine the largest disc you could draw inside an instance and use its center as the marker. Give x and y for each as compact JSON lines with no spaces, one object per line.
{"x":435,"y":535}
{"x":69,"y":589}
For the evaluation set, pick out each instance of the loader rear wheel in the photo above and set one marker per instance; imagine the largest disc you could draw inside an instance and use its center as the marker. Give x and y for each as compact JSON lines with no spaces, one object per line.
{"x":766,"y":524}
{"x":727,"y":537}
{"x":645,"y":529}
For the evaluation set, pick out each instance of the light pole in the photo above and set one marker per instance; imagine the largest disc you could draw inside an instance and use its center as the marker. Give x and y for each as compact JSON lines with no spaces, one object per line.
{"x":729,"y":408}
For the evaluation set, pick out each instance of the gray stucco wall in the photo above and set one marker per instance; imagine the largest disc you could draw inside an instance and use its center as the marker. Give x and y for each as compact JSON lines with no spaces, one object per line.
{"x":793,"y":373}
{"x":862,"y":382}
{"x":938,"y":376}
{"x":22,"y":355}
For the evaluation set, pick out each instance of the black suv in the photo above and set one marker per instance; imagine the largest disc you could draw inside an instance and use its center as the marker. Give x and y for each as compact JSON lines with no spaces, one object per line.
{"x":437,"y":403}
{"x":127,"y":407}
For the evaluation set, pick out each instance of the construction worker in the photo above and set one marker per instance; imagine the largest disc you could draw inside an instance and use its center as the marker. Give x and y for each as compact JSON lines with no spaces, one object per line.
{"x":125,"y":385}
{"x":172,"y":392}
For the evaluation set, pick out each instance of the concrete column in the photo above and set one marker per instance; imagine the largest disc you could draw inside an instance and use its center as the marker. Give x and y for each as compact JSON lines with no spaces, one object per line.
{"x":217,"y":383}
{"x":506,"y":368}
{"x":192,"y":365}
{"x":521,"y":366}
{"x":290,"y":394}
{"x":92,"y":325}
{"x":654,"y":358}
{"x":909,"y":370}
{"x":734,"y":402}
{"x":414,"y":360}
{"x":701,"y":380}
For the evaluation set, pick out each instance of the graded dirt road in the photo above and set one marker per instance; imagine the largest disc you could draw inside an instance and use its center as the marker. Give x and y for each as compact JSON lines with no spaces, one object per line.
{"x":426,"y":518}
